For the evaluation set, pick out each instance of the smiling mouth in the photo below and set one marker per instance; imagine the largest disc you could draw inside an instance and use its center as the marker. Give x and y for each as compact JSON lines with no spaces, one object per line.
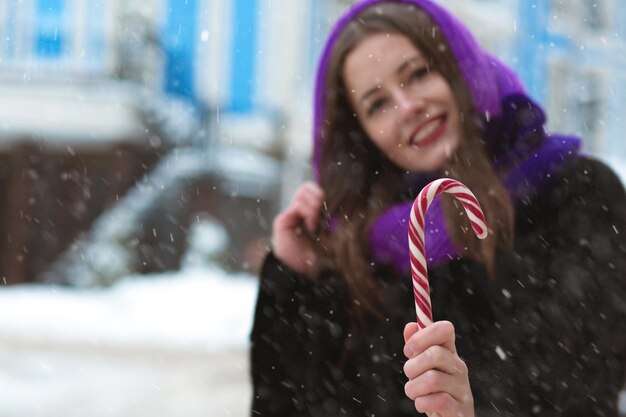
{"x":429,"y":132}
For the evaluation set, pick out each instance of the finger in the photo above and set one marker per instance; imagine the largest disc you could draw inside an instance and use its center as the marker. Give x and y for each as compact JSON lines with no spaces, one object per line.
{"x":295,"y":215}
{"x":309,"y":197}
{"x":436,"y":404}
{"x":434,"y":381}
{"x":439,"y":333}
{"x":314,"y":207}
{"x":288,"y":219}
{"x":438,"y":358}
{"x":409,"y":330}
{"x":442,"y":404}
{"x":309,"y":190}
{"x":314,"y":188}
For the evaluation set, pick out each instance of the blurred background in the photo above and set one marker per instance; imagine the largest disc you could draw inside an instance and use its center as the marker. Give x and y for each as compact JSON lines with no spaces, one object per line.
{"x":145,"y":146}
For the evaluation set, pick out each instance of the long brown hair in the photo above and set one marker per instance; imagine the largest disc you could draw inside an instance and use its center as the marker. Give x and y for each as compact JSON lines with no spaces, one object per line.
{"x":361,"y":182}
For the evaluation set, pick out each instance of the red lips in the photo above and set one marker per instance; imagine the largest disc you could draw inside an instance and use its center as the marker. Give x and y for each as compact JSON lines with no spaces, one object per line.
{"x":432,"y":136}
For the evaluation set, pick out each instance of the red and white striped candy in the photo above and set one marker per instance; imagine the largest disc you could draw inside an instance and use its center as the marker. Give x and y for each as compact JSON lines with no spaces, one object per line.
{"x":419,"y":271}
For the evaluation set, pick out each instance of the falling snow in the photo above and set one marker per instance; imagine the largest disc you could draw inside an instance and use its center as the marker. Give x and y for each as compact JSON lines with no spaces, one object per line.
{"x":145,"y":346}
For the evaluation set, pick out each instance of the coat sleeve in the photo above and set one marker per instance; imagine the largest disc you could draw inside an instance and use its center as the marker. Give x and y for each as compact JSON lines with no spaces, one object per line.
{"x":562,"y":312}
{"x":591,"y":278}
{"x":294,"y":337}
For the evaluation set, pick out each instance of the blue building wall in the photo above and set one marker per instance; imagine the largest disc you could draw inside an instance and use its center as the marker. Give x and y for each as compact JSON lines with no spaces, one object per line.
{"x":180,"y":38}
{"x":537,"y":41}
{"x":51,"y":32}
{"x":540,"y":38}
{"x":243,"y":55}
{"x":40,"y":37}
{"x":10,"y":31}
{"x":95,"y":45}
{"x":532,"y":39}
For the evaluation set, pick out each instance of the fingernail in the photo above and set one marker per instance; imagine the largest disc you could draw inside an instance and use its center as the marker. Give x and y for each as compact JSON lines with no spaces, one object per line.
{"x":410,"y":350}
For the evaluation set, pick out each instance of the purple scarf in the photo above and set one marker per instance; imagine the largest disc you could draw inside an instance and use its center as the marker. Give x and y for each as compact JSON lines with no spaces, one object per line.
{"x":514,"y":133}
{"x":535,"y":156}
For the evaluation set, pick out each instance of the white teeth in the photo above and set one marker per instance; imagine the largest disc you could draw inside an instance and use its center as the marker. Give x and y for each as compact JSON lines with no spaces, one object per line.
{"x":425,"y":131}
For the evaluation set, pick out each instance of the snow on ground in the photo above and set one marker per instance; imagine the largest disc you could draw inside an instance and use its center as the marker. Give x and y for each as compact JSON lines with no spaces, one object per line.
{"x":159,"y":345}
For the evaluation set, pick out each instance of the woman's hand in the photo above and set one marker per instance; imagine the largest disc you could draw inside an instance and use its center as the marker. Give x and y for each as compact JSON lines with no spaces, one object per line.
{"x":438,"y":379}
{"x":294,"y":228}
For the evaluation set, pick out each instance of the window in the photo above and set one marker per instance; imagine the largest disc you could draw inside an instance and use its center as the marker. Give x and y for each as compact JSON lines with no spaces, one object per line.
{"x":594,"y":14}
{"x":589,"y":100}
{"x":556,"y":99}
{"x":562,"y":14}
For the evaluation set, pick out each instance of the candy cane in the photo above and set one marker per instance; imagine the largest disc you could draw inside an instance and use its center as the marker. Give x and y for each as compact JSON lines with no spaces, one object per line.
{"x":419,"y":271}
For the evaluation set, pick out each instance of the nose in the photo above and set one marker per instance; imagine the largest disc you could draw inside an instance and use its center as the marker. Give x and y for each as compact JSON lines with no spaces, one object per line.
{"x":409,"y":105}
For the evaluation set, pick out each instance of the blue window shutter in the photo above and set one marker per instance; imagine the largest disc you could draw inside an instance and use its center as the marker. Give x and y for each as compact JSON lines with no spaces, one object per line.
{"x":243,"y":61}
{"x":50,"y":31}
{"x":180,"y":47}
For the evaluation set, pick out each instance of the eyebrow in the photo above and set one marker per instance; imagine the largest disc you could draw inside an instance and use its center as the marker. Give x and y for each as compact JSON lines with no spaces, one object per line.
{"x":399,"y":71}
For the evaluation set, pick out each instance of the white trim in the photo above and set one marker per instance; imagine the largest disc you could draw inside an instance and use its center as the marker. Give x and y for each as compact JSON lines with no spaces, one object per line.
{"x":214,"y":53}
{"x":281,"y":33}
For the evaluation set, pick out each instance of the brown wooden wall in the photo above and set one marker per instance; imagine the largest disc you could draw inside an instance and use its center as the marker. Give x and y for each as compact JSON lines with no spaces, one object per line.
{"x":49,"y":195}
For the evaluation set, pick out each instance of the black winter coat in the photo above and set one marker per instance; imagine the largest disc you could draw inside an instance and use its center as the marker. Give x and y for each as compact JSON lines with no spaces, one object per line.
{"x":547,"y":337}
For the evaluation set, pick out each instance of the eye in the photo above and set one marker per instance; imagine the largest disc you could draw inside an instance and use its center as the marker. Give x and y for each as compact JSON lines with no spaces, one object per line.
{"x":419,"y":73}
{"x":376,"y":106}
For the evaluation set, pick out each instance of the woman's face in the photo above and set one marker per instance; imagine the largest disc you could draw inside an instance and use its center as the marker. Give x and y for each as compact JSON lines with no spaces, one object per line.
{"x":407,"y":110}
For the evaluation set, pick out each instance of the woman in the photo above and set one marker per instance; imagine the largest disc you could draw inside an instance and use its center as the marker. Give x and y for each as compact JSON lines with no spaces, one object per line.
{"x":529,"y":321}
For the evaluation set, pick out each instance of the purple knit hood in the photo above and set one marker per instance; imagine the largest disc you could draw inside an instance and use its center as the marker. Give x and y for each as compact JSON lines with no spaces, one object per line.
{"x":513,"y":127}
